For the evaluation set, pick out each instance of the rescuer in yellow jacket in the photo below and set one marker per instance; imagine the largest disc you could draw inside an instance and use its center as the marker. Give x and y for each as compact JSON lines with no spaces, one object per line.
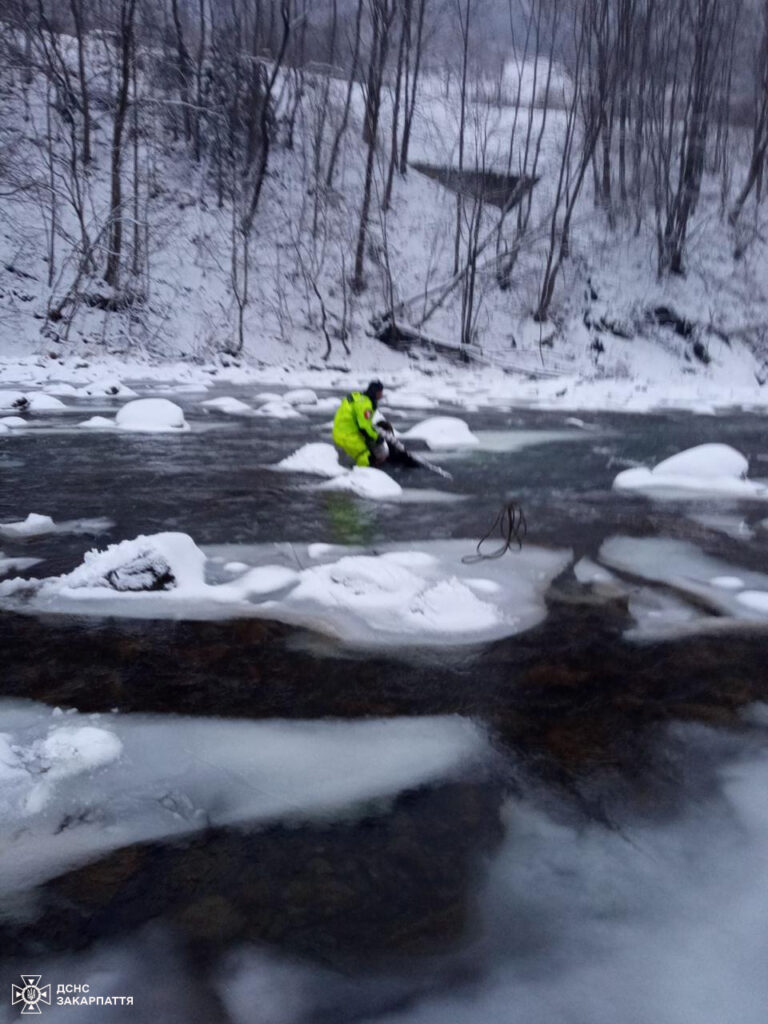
{"x":353,"y":429}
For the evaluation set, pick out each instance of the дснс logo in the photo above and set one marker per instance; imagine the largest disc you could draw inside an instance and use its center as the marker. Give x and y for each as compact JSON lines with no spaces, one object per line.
{"x":31,"y":993}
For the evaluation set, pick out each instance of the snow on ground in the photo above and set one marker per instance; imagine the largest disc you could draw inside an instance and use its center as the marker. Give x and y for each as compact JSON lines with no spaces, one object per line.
{"x":707,"y":468}
{"x":75,"y":786}
{"x":445,"y":384}
{"x":36,"y":525}
{"x":734,"y":594}
{"x":151,"y":416}
{"x":416,"y":595}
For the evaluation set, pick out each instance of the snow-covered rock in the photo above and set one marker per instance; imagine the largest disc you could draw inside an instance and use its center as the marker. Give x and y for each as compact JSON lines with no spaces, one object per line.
{"x":300,"y":396}
{"x":162,"y":561}
{"x":151,"y":416}
{"x":13,"y":400}
{"x":34,"y":525}
{"x":366,"y":482}
{"x":319,"y":459}
{"x":229,"y":405}
{"x":442,"y":432}
{"x":707,"y":468}
{"x":279,"y":410}
{"x":14,"y":422}
{"x":41,"y":402}
{"x":98,"y":423}
{"x":109,"y":386}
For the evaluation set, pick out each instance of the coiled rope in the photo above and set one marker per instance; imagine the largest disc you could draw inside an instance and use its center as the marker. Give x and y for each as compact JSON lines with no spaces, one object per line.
{"x":512,"y":526}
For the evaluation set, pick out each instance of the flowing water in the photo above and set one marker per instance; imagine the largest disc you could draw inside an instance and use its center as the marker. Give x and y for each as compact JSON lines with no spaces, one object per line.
{"x":605,"y":861}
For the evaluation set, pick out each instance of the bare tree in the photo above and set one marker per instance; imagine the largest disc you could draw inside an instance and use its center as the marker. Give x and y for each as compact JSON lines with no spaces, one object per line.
{"x":382,"y":15}
{"x":125,"y":42}
{"x":759,"y":145}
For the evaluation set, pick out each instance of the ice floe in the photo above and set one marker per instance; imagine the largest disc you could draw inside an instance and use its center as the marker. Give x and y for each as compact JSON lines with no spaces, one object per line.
{"x":151,"y":416}
{"x":707,"y":468}
{"x":730,"y":593}
{"x":661,"y":916}
{"x":16,"y":564}
{"x":36,"y":525}
{"x":407,"y":595}
{"x":73,"y":786}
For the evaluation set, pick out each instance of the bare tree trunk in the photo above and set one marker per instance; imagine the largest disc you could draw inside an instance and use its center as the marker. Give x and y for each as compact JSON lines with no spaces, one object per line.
{"x":199,"y":78}
{"x":760,"y":125}
{"x":462,"y":119}
{"x":334,"y":154}
{"x":85,"y":107}
{"x":395,"y":114}
{"x":285,"y":13}
{"x":115,"y":243}
{"x":410,"y":96}
{"x":382,"y":12}
{"x":182,"y":56}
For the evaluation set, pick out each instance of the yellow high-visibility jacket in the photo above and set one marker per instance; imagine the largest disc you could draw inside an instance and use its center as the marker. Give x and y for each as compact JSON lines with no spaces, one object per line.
{"x":353,"y":429}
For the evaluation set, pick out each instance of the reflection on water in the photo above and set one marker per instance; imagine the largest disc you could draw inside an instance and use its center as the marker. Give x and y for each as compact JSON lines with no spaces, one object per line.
{"x":608,"y":864}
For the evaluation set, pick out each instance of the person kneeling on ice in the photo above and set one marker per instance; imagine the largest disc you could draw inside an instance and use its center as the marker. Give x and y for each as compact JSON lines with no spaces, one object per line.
{"x":354,"y":432}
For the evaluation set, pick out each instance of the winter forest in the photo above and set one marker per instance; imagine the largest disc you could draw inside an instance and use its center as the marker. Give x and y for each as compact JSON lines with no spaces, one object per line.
{"x":515,"y":182}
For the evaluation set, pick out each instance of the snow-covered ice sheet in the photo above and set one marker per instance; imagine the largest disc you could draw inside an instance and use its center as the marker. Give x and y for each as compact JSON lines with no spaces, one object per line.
{"x":36,"y":525}
{"x":8,"y":565}
{"x":653,"y":922}
{"x":518,"y":440}
{"x":75,"y":786}
{"x":707,"y":468}
{"x":733,"y":593}
{"x":419,"y":595}
{"x":731,"y":526}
